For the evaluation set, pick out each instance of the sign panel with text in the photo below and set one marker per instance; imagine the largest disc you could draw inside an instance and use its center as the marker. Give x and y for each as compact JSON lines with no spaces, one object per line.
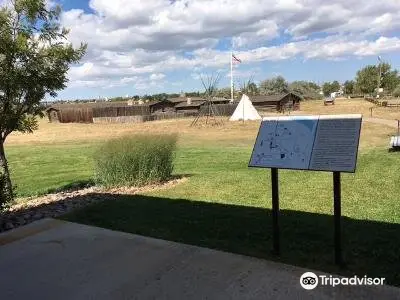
{"x":319,"y":143}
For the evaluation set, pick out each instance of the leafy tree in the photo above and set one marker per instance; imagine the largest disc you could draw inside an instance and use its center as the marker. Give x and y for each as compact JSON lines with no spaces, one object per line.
{"x":335,"y":86}
{"x":389,"y":79}
{"x":249,"y":88}
{"x":173,"y":95}
{"x":252,"y":89}
{"x":117,"y":99}
{"x":224,"y":92}
{"x":160,"y":97}
{"x":34,"y":61}
{"x":330,"y":87}
{"x":396,"y":91}
{"x":276,"y":85}
{"x":193,"y":94}
{"x":368,"y":79}
{"x":349,"y":87}
{"x":306,"y":89}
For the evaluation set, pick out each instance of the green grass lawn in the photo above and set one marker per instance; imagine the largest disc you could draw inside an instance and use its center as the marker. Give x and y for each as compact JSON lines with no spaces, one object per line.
{"x":38,"y":169}
{"x":225,"y":205}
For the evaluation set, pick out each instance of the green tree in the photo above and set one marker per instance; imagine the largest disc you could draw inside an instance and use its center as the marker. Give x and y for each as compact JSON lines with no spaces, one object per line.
{"x":276,"y":85}
{"x":335,"y":86}
{"x":306,"y":89}
{"x":249,"y":88}
{"x":224,"y":92}
{"x":389,"y":79}
{"x":252,"y":89}
{"x":349,"y":87}
{"x":369,"y":77}
{"x":330,"y":87}
{"x":34,"y":61}
{"x":396,"y":91}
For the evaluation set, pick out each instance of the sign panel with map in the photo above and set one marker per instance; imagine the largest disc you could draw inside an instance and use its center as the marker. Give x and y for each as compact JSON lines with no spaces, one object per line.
{"x":320,"y":143}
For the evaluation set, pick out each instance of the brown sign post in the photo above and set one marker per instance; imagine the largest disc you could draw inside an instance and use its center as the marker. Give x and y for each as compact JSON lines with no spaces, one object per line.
{"x":316,"y":143}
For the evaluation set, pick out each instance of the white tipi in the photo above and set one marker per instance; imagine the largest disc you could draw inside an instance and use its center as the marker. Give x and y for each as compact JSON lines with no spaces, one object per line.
{"x":245,"y":111}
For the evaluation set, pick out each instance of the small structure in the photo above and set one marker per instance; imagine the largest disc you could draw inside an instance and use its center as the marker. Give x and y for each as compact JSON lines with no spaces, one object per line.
{"x":161,"y":107}
{"x":189,"y":106}
{"x":220,"y":100}
{"x":53,"y":114}
{"x":278,"y":102}
{"x":183,"y":98}
{"x":245,"y":111}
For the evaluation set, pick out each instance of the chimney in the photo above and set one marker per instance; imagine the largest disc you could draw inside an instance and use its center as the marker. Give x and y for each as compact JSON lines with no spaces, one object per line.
{"x":189,"y":101}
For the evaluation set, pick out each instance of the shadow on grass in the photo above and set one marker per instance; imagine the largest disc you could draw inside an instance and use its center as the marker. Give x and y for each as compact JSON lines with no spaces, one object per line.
{"x":73,"y":186}
{"x":370,"y":248}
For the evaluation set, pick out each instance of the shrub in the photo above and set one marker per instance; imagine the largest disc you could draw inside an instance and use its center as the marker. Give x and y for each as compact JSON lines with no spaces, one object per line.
{"x":5,"y":198}
{"x":135,"y":160}
{"x":396,"y":91}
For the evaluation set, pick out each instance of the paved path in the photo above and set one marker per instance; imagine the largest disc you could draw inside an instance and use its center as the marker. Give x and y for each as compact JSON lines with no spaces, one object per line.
{"x":52,"y":259}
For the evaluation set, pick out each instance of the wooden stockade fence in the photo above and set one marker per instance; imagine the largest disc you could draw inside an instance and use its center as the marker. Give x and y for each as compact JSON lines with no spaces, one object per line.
{"x":135,"y":113}
{"x":121,"y":111}
{"x":75,"y":115}
{"x":221,"y":109}
{"x":383,"y":102}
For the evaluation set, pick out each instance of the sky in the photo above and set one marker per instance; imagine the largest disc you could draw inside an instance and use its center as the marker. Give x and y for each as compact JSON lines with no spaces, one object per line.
{"x":138,"y":47}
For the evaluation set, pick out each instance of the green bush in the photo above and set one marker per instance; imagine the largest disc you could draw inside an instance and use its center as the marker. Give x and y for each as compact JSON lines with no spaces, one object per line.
{"x":135,"y":160}
{"x":5,"y":198}
{"x":396,"y":91}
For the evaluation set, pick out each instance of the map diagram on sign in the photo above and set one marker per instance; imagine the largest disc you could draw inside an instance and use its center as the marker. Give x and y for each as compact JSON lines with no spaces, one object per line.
{"x":320,"y":143}
{"x":285,"y":142}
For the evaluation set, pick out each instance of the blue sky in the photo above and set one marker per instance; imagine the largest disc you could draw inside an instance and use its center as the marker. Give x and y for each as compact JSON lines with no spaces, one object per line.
{"x":145,"y":47}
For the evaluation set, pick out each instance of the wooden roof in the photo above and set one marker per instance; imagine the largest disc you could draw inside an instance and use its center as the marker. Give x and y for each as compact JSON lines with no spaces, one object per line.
{"x":193,"y":104}
{"x":177,"y":99}
{"x":184,"y":99}
{"x":220,"y":99}
{"x":271,"y":98}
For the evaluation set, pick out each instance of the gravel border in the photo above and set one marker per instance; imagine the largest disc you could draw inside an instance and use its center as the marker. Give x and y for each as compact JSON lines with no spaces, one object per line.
{"x":29,"y":210}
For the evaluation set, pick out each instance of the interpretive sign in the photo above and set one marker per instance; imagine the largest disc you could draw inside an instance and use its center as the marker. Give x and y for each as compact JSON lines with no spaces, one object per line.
{"x":320,"y":143}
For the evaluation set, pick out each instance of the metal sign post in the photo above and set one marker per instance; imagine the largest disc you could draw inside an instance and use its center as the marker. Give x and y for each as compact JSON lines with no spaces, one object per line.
{"x":314,"y":143}
{"x":275,"y":211}
{"x":337,"y":217}
{"x":336,"y":207}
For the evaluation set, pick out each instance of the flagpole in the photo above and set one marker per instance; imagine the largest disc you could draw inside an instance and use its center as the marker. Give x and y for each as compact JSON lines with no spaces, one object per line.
{"x":231,"y":76}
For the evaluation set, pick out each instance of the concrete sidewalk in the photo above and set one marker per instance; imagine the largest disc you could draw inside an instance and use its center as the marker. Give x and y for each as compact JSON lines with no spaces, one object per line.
{"x":52,"y":259}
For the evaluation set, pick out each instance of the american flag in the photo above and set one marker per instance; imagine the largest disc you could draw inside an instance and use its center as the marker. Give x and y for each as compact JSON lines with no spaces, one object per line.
{"x":235,"y":59}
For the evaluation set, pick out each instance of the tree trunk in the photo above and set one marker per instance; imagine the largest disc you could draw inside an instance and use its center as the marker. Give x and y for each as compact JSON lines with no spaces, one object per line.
{"x":6,"y":191}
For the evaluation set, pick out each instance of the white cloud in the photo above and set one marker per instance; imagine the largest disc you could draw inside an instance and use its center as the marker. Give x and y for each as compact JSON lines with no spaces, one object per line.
{"x":131,"y":39}
{"x":157,"y":76}
{"x":332,"y":48}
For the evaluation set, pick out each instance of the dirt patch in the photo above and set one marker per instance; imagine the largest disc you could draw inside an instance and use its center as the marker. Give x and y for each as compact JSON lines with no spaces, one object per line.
{"x":54,"y":205}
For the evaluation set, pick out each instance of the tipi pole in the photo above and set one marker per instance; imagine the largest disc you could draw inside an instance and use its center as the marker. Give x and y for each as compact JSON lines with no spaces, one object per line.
{"x":231,"y":58}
